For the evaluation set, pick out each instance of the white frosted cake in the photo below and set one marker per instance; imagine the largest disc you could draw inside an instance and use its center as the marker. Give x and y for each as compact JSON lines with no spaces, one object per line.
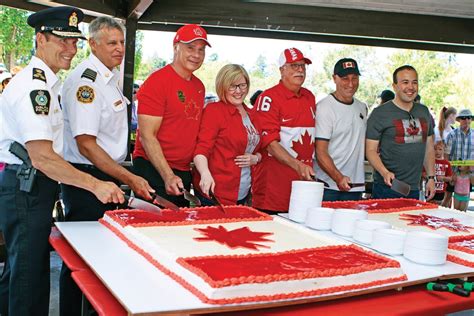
{"x":247,"y":256}
{"x":414,"y":215}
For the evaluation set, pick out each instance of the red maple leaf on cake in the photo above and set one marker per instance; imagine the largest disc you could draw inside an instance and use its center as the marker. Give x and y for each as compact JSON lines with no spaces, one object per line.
{"x":241,"y":237}
{"x":435,"y":222}
{"x":304,"y":148}
{"x":466,"y":244}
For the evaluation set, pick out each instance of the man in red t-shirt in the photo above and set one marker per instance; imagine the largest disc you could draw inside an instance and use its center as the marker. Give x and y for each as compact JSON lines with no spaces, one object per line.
{"x":170,"y":104}
{"x":287,"y":114}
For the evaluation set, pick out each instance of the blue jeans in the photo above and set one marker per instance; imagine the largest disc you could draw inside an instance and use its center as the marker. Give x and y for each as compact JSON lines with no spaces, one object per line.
{"x":25,"y":219}
{"x":383,"y":191}
{"x":334,"y":195}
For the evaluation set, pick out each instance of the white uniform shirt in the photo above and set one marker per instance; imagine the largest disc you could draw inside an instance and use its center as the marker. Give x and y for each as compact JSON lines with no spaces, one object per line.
{"x":18,"y":119}
{"x":344,"y":126}
{"x":94,"y":107}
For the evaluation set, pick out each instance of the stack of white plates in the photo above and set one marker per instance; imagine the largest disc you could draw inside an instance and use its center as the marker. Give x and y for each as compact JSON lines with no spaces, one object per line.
{"x":343,"y":221}
{"x":304,"y":194}
{"x":388,"y":241}
{"x":426,"y":248}
{"x":319,"y":218}
{"x":364,"y":229}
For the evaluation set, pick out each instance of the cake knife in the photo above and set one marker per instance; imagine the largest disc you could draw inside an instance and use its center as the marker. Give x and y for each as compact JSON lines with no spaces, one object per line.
{"x":216,"y":201}
{"x":191,"y":198}
{"x":164,"y":202}
{"x":400,"y":187}
{"x":140,"y":204}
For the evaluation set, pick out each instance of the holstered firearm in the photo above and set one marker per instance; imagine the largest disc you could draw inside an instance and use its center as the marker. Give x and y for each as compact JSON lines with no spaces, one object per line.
{"x":26,"y":173}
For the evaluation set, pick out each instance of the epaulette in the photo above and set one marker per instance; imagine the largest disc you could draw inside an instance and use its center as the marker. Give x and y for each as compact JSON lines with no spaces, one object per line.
{"x":39,"y":74}
{"x":89,"y":74}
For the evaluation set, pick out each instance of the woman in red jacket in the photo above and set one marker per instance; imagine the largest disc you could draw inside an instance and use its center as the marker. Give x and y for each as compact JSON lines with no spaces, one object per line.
{"x":227,"y":142}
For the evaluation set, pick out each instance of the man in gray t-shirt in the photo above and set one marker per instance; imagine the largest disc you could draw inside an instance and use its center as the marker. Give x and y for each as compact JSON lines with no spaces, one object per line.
{"x":403,"y":133}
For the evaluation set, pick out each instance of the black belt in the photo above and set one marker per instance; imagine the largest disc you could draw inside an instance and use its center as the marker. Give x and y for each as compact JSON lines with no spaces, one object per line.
{"x":83,"y":166}
{"x":16,"y":167}
{"x":11,"y":167}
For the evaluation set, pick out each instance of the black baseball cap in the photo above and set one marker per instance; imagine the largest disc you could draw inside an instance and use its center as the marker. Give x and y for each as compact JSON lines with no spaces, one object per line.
{"x":60,"y":21}
{"x":346,"y":66}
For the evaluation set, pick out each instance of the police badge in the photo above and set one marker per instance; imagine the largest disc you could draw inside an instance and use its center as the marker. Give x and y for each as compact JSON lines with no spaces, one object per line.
{"x":85,"y":94}
{"x":41,"y":101}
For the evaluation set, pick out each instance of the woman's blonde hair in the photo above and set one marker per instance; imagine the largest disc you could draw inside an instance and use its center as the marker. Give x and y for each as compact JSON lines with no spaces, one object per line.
{"x":226,"y":76}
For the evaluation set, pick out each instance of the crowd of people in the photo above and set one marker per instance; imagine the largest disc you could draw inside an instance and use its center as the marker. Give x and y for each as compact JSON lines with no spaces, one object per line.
{"x":242,"y":155}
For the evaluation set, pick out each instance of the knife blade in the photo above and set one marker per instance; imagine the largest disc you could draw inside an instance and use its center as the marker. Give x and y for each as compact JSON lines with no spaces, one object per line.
{"x":191,"y":198}
{"x":140,"y":204}
{"x":400,"y":187}
{"x":216,"y":201}
{"x":164,"y":202}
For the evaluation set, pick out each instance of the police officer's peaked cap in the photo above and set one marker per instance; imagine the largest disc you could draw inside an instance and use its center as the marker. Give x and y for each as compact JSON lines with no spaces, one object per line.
{"x":60,"y":21}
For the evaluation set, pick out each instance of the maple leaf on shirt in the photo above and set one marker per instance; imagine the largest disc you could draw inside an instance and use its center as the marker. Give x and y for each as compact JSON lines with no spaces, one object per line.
{"x":241,"y":237}
{"x":304,"y":147}
{"x":192,"y":110}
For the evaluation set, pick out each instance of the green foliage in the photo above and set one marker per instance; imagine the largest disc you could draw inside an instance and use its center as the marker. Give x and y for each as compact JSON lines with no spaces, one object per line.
{"x":16,"y":37}
{"x":435,"y":74}
{"x":138,"y":53}
{"x":374,"y":77}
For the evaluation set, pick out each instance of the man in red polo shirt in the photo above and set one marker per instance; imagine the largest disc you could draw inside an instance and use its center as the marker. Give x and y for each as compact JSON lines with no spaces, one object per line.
{"x":287,"y":113}
{"x":169,"y":113}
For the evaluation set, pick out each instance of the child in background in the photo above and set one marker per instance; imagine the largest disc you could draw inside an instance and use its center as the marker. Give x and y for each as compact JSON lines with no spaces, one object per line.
{"x":462,"y":187}
{"x":443,"y":173}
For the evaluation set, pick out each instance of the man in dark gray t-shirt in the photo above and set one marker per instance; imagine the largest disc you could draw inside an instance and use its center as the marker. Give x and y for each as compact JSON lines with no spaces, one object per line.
{"x":403,"y":133}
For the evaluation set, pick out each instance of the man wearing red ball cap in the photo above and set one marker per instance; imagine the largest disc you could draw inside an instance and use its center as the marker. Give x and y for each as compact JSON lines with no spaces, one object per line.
{"x":169,"y":113}
{"x":287,"y":114}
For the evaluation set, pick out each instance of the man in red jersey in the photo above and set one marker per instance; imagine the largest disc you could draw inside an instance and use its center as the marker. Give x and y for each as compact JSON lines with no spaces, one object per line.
{"x":287,"y":114}
{"x":169,"y":113}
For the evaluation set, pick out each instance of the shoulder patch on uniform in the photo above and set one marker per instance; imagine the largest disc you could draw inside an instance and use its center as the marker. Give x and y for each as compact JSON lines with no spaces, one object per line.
{"x":85,"y":94}
{"x":89,"y":74}
{"x":39,"y":74}
{"x":41,"y":101}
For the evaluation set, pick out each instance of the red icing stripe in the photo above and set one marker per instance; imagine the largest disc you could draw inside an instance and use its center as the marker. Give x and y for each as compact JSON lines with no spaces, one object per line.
{"x":382,"y":205}
{"x":220,"y":271}
{"x":187,"y":216}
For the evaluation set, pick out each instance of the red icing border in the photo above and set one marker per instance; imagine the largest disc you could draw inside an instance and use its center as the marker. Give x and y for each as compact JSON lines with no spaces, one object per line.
{"x":261,"y":217}
{"x":460,"y":261}
{"x":257,"y":298}
{"x":455,"y":239}
{"x":342,"y":204}
{"x":284,"y":277}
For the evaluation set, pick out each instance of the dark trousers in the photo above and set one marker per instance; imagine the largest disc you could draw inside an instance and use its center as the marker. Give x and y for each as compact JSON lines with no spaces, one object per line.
{"x":25,"y":219}
{"x":145,"y":169}
{"x":334,"y":195}
{"x":383,"y":191}
{"x":80,"y":205}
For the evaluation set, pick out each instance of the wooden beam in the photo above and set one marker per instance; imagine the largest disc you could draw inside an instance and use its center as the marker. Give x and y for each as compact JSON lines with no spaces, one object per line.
{"x":325,"y":24}
{"x":129,"y":67}
{"x":137,"y":8}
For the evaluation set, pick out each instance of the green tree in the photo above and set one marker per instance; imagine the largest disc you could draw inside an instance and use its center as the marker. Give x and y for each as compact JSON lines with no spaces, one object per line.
{"x":138,"y":53}
{"x":374,"y":77}
{"x":16,"y":37}
{"x":436,"y":74}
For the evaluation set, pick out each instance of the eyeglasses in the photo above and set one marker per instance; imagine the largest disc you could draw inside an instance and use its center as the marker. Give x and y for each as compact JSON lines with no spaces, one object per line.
{"x":242,"y":87}
{"x":462,"y":118}
{"x":297,"y":66}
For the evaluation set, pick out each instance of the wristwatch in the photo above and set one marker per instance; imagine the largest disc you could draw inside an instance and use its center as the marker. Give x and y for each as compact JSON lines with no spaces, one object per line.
{"x":431,"y":178}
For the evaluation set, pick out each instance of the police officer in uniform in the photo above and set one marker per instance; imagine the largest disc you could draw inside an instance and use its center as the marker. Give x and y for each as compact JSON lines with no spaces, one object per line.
{"x":30,"y":114}
{"x":95,"y":138}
